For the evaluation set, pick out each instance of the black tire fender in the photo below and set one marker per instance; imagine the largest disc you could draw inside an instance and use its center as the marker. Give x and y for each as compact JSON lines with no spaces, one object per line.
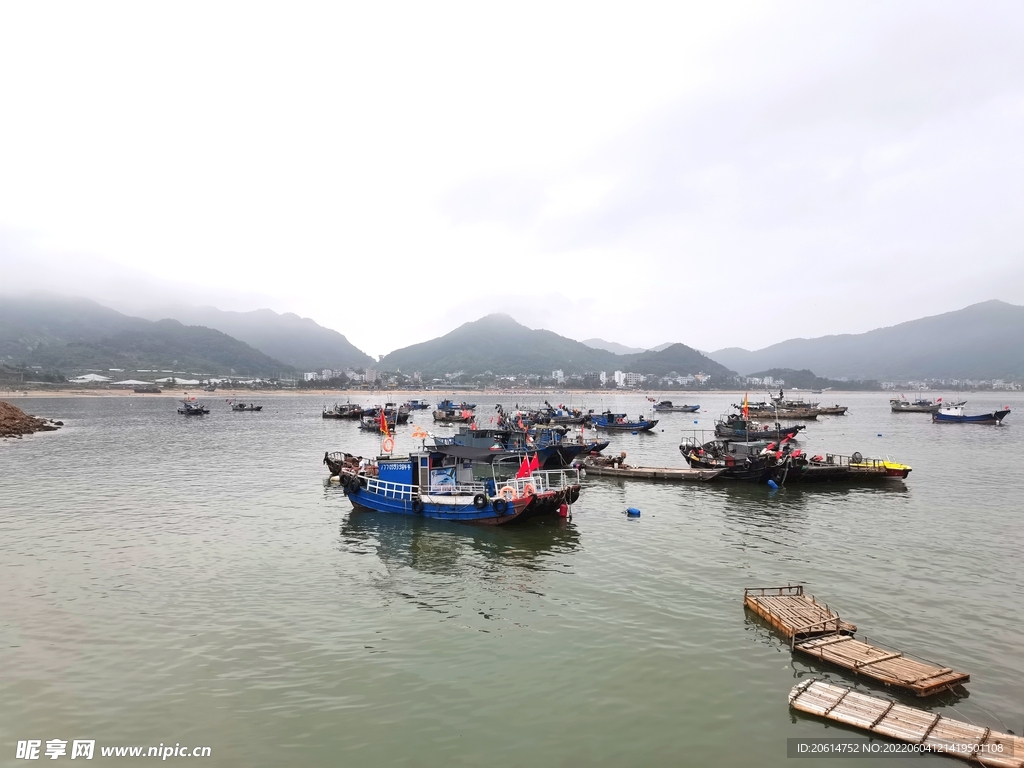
{"x":479,"y":501}
{"x":500,"y":506}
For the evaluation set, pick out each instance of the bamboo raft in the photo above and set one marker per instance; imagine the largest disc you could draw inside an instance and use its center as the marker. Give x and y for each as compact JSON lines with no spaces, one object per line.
{"x":908,"y":724}
{"x":794,"y":614}
{"x":891,"y":668}
{"x":654,"y":473}
{"x":816,"y":630}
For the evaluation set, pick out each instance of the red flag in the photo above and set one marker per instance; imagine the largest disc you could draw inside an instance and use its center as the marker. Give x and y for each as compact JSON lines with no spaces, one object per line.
{"x":524,"y":468}
{"x":384,"y":423}
{"x":939,"y":400}
{"x":746,"y":411}
{"x":535,"y":464}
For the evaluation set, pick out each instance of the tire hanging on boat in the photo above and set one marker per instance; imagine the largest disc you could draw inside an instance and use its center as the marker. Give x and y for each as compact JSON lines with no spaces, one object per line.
{"x":417,"y":506}
{"x":479,"y":501}
{"x":500,"y":506}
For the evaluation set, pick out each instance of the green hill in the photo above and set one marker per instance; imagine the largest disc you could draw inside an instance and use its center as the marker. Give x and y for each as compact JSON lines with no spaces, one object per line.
{"x":74,"y":334}
{"x":499,"y":344}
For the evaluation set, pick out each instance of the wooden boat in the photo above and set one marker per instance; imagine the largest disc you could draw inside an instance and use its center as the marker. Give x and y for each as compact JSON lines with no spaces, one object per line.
{"x":619,"y":422}
{"x":454,"y":416}
{"x":443,"y":487}
{"x":920,"y":405}
{"x":736,"y":427}
{"x":244,"y":407}
{"x":667,"y":407}
{"x":928,"y":731}
{"x":955,"y":415}
{"x":753,"y":462}
{"x":765,"y":410}
{"x":833,"y":410}
{"x":192,"y":408}
{"x":614,"y":468}
{"x":344,"y":411}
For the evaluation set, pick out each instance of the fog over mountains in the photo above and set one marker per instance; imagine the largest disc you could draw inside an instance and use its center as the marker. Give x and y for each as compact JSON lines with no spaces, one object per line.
{"x":982,"y":341}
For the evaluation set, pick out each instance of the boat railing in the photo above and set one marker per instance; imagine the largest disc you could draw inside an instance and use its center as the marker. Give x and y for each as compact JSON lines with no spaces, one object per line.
{"x":388,"y":489}
{"x":838,"y":460}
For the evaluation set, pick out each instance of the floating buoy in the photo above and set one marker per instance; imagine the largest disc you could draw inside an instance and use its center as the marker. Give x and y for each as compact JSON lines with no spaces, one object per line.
{"x":335,"y":480}
{"x":563,"y":510}
{"x":635,"y":432}
{"x":694,"y":421}
{"x":632,"y":512}
{"x":773,"y":485}
{"x":879,"y":434}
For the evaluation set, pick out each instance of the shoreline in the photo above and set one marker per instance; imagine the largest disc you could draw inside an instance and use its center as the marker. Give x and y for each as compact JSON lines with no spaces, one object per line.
{"x":402,"y":394}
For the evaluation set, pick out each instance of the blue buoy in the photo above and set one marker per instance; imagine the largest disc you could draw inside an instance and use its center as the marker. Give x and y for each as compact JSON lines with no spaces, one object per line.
{"x":773,"y":485}
{"x":879,"y":434}
{"x":694,"y":421}
{"x":635,"y":432}
{"x":633,"y":512}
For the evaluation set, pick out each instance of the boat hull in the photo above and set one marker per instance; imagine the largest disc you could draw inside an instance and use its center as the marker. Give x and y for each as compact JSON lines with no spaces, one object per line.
{"x":996,"y":417}
{"x":458,"y":509}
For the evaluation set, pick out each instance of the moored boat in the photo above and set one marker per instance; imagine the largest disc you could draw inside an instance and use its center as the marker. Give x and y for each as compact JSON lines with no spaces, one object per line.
{"x":619,"y":422}
{"x":736,"y":427}
{"x":189,"y":407}
{"x":443,"y":487}
{"x":617,"y":467}
{"x":344,"y":411}
{"x":244,"y":407}
{"x":666,"y":406}
{"x":755,"y":461}
{"x":955,"y":415}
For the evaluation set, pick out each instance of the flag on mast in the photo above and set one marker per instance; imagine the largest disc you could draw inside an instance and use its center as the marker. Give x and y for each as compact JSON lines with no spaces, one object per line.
{"x":746,"y":410}
{"x":384,"y":423}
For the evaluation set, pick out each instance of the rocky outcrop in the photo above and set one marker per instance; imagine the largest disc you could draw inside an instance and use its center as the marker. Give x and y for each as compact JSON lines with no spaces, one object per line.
{"x":14,"y":422}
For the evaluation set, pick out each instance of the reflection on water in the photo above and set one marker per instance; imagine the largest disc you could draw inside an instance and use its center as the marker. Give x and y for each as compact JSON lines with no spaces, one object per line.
{"x":441,"y":547}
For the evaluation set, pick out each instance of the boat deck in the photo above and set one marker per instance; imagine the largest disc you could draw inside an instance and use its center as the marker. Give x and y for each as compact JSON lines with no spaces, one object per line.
{"x":908,"y":724}
{"x":655,"y":473}
{"x":891,"y":668}
{"x":795,"y":614}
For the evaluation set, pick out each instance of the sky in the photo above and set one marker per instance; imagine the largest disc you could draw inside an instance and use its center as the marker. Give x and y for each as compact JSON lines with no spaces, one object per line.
{"x":720,"y":174}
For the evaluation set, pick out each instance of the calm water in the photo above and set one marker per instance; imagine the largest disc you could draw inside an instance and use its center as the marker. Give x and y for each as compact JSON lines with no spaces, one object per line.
{"x":171,"y":579}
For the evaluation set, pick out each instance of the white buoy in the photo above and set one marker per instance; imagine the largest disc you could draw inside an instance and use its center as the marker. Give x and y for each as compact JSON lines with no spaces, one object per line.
{"x":335,"y":480}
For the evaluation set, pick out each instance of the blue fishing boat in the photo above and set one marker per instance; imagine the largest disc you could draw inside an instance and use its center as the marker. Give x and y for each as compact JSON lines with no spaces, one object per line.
{"x":443,"y":486}
{"x":619,"y":422}
{"x":417,"y":405}
{"x":189,"y":407}
{"x":955,"y":415}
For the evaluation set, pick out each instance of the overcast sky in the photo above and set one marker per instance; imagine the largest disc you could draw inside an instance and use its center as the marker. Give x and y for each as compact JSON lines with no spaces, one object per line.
{"x":629,"y":171}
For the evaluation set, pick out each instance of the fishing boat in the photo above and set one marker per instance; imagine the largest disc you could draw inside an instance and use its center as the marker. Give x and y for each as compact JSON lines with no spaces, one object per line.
{"x":755,"y":461}
{"x":442,"y":486}
{"x":189,"y":407}
{"x":619,"y":422}
{"x":397,"y":414}
{"x":344,"y":411}
{"x":765,"y":410}
{"x":244,"y":407}
{"x":833,"y":410}
{"x":833,"y":467}
{"x":735,"y":426}
{"x":920,"y":405}
{"x":448,"y":405}
{"x":454,"y":416}
{"x":417,"y":405}
{"x":954,"y":414}
{"x":560,"y":415}
{"x":666,"y":406}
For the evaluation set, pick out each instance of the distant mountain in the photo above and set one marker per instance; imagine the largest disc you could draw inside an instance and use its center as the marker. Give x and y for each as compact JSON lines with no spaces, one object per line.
{"x":982,"y":341}
{"x":296,"y":341}
{"x":807,"y":380}
{"x":72,"y":333}
{"x":499,"y":344}
{"x":661,"y":347}
{"x":612,"y":346}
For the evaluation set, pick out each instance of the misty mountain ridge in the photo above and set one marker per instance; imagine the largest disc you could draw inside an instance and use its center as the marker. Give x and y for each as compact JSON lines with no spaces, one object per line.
{"x":981,"y":341}
{"x":612,"y":346}
{"x":499,"y":344}
{"x":296,"y":341}
{"x":74,"y":333}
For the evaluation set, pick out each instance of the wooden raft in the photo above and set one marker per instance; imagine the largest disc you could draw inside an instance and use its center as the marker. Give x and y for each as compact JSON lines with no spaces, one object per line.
{"x":793,"y":613}
{"x":903,"y":723}
{"x":655,"y":473}
{"x":890,"y":668}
